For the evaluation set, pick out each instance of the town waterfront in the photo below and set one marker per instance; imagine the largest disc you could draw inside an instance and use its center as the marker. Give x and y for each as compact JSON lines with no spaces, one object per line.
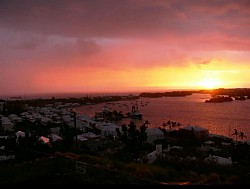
{"x":219,"y":118}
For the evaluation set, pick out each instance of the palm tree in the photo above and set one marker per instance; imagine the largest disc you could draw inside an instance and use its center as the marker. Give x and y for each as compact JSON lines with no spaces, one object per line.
{"x":147,"y":123}
{"x":236,"y":133}
{"x":169,"y":122}
{"x":242,"y":135}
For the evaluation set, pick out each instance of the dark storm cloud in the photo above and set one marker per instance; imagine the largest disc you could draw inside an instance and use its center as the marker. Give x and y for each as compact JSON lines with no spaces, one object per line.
{"x":122,"y":18}
{"x":22,"y":47}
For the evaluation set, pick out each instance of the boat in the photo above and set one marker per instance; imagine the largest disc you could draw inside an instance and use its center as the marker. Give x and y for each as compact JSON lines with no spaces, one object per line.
{"x":105,"y":109}
{"x":135,"y":113}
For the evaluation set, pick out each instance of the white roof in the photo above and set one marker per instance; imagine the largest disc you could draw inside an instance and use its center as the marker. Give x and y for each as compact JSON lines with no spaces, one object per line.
{"x":5,"y":120}
{"x":226,"y":143}
{"x":154,"y":131}
{"x":108,"y":126}
{"x":89,"y":135}
{"x":20,"y":133}
{"x":5,"y":137}
{"x":81,"y":138}
{"x":2,"y":148}
{"x":209,"y":142}
{"x":219,"y":160}
{"x":152,"y":156}
{"x":55,"y":137}
{"x":195,"y":128}
{"x":12,"y":116}
{"x":172,"y":147}
{"x":247,"y":141}
{"x":208,"y":148}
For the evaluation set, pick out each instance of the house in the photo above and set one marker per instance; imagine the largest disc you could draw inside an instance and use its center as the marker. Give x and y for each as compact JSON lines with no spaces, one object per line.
{"x":219,"y":160}
{"x":6,"y":157}
{"x":14,"y":118}
{"x":7,"y":125}
{"x":208,"y":149}
{"x":199,"y":132}
{"x":169,"y":148}
{"x":55,"y":137}
{"x":81,"y":139}
{"x":108,"y":129}
{"x":90,"y":135}
{"x":154,"y":134}
{"x":19,"y":134}
{"x":153,"y":156}
{"x":209,"y":142}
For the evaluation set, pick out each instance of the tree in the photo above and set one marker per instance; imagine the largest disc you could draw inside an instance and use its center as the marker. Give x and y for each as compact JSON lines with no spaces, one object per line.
{"x":68,"y":134}
{"x":236,"y":133}
{"x":5,"y":109}
{"x":133,"y":138}
{"x":242,"y":135}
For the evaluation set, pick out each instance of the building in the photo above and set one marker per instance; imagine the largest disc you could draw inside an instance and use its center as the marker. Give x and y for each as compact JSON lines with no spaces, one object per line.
{"x":199,"y":132}
{"x":154,"y":134}
{"x":219,"y":160}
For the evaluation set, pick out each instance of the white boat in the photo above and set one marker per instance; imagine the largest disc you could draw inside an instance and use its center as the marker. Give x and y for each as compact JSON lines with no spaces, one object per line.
{"x":135,"y":114}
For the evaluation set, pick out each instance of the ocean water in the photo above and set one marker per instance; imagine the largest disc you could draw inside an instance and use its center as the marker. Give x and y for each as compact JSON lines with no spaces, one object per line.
{"x":219,"y":118}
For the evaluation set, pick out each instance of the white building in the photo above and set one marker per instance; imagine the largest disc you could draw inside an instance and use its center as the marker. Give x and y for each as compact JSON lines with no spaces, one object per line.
{"x":153,"y":156}
{"x":198,"y":131}
{"x":154,"y":134}
{"x":19,"y":134}
{"x":14,"y":118}
{"x":169,"y":148}
{"x":55,"y":137}
{"x":219,"y":160}
{"x":108,"y":129}
{"x":5,"y":157}
{"x":7,"y":124}
{"x":90,"y":135}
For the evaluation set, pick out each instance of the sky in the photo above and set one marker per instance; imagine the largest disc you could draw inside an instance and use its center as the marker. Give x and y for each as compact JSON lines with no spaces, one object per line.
{"x":49,"y":46}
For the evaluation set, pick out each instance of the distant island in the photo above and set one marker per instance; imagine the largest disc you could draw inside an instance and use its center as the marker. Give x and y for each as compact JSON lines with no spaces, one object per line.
{"x":227,"y":95}
{"x":166,"y":94}
{"x":217,"y":95}
{"x":236,"y":93}
{"x":232,"y":94}
{"x":219,"y":99}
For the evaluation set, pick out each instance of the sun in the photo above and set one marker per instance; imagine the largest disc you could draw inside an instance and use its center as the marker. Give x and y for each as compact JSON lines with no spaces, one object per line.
{"x":210,"y":83}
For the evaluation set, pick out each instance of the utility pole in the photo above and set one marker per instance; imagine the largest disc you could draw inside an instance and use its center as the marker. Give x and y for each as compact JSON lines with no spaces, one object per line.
{"x":74,"y":116}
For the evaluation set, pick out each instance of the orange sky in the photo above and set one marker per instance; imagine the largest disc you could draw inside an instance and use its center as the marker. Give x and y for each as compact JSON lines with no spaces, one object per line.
{"x":106,"y":46}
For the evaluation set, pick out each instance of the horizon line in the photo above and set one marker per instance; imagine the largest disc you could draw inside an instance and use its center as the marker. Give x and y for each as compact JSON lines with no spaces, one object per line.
{"x":63,"y":93}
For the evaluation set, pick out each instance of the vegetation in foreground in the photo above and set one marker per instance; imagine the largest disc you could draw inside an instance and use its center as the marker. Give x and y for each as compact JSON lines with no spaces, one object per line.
{"x":61,"y":169}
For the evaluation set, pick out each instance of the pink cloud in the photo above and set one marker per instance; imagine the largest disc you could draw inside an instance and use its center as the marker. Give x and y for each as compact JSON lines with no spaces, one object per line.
{"x":49,"y":36}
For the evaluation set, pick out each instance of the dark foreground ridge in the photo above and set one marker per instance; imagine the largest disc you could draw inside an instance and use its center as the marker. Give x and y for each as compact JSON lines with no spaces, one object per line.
{"x":66,"y":169}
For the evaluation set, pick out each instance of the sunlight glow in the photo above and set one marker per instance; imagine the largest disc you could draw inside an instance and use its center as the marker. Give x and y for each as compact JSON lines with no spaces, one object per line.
{"x":210,"y":83}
